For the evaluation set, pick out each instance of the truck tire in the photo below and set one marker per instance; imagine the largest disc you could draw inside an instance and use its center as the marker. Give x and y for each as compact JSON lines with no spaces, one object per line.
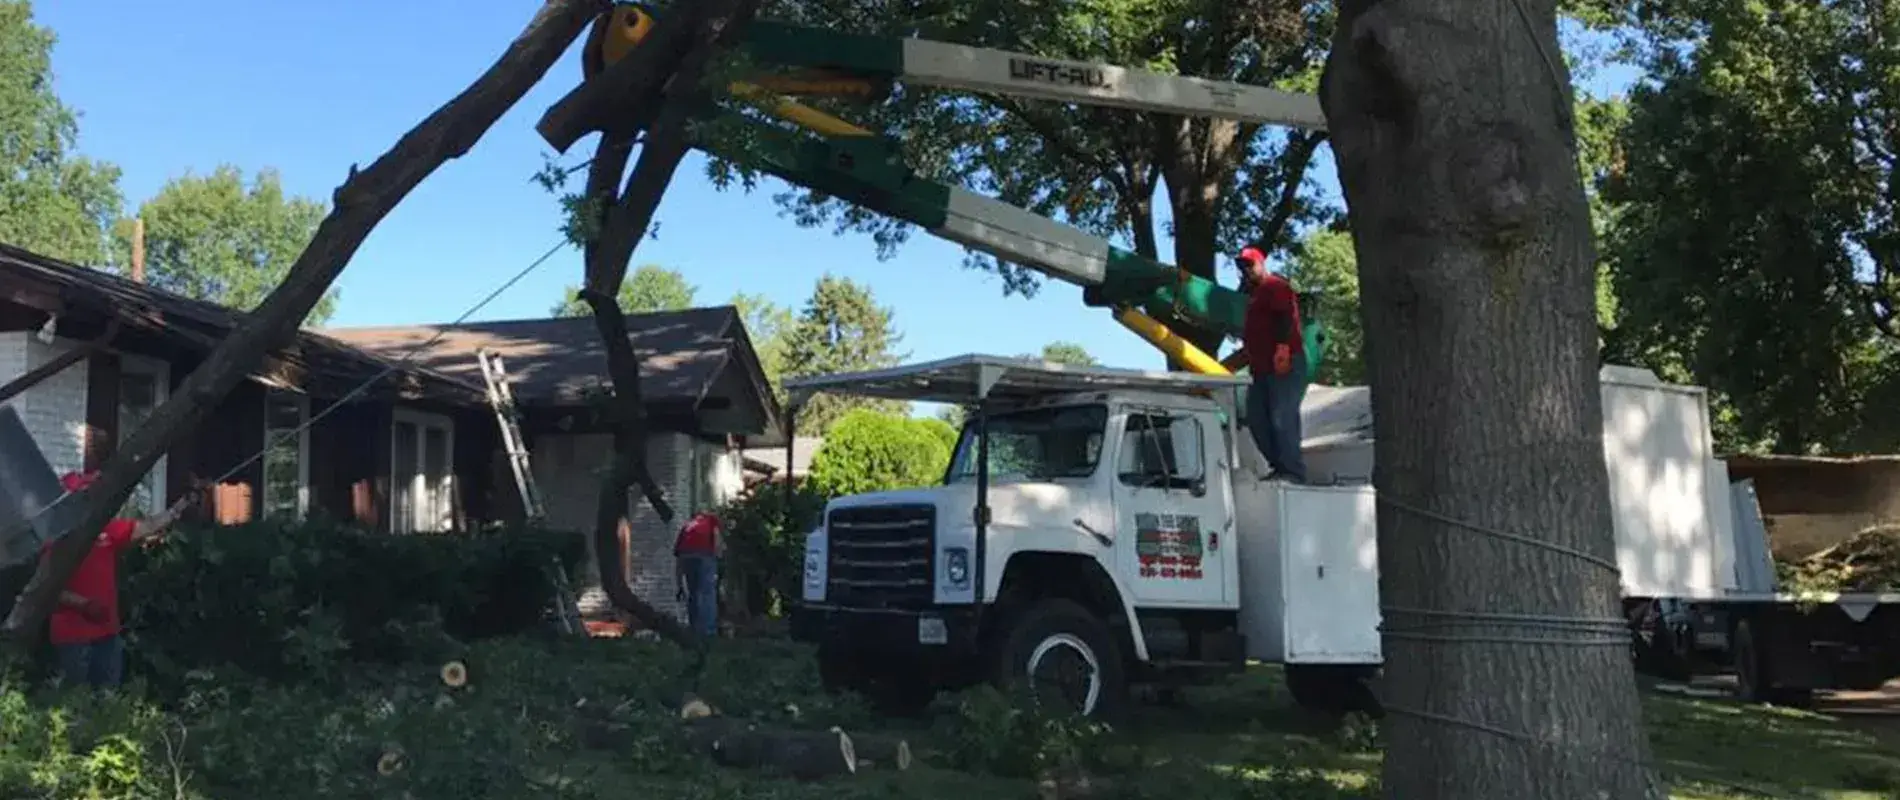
{"x":1064,"y":658}
{"x":1754,"y":679}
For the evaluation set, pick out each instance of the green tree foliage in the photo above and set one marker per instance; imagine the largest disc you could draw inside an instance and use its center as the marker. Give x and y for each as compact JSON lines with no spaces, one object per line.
{"x":840,"y":329}
{"x":1325,"y":263}
{"x":1068,"y":353}
{"x":1754,"y":244}
{"x":52,"y":201}
{"x":1224,"y":184}
{"x":870,"y":451}
{"x":217,"y":238}
{"x":649,"y":288}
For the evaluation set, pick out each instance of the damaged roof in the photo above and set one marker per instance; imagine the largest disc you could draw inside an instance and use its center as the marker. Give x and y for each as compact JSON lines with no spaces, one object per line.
{"x":198,"y":326}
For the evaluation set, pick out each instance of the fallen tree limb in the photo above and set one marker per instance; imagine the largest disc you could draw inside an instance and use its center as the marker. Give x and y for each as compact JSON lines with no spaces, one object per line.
{"x":359,"y":204}
{"x":882,"y":752}
{"x":805,"y":755}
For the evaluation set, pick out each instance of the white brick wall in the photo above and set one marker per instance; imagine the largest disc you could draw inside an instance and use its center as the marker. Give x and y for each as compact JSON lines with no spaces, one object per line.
{"x":54,"y":410}
{"x":565,"y":470}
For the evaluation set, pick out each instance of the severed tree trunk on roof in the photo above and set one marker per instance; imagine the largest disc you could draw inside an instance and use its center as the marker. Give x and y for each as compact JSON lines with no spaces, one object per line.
{"x":619,"y":225}
{"x":359,"y":204}
{"x":1451,"y":126}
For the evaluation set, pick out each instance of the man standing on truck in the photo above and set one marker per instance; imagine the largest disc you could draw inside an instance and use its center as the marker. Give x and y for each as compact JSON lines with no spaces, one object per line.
{"x":84,"y":628}
{"x":1276,"y":357}
{"x":696,"y":552}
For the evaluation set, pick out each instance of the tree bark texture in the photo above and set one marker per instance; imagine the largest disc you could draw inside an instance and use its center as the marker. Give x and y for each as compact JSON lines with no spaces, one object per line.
{"x":359,"y":204}
{"x":1451,"y":127}
{"x":622,"y":223}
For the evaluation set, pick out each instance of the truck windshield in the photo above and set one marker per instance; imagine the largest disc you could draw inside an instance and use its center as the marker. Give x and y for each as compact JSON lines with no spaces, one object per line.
{"x":1036,"y":444}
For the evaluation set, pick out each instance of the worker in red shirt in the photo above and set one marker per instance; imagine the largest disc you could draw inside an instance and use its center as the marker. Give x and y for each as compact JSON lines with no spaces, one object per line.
{"x":1276,"y":356}
{"x":696,"y":552}
{"x":85,"y":625}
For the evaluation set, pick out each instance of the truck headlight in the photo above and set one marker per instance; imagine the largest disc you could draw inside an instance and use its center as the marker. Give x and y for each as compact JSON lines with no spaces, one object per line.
{"x":956,"y":567}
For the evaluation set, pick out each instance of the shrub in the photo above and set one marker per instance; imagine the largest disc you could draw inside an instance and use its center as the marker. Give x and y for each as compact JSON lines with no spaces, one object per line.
{"x":870,"y":452}
{"x":765,"y":543}
{"x":81,"y":745}
{"x":278,"y":599}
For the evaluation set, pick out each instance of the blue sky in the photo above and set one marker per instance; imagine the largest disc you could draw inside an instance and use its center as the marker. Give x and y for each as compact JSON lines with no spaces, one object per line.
{"x":310,"y":88}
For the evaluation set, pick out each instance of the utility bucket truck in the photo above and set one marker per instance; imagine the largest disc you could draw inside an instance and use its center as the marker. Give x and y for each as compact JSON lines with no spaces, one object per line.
{"x":1096,"y":527}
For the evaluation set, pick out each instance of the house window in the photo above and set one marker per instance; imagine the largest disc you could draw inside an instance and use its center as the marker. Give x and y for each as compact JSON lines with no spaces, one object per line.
{"x":422,"y":483}
{"x":142,"y":387}
{"x":286,"y":454}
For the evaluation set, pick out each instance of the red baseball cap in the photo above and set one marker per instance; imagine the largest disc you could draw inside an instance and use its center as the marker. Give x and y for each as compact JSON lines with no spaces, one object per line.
{"x":77,"y":481}
{"x":1252,"y":254}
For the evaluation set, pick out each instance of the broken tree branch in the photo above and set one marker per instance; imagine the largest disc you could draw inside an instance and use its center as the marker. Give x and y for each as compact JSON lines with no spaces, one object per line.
{"x":622,"y":224}
{"x":59,"y":363}
{"x":618,"y":100}
{"x":360,"y":203}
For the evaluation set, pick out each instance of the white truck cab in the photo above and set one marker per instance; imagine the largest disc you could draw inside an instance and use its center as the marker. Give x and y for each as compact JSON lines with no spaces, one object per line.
{"x":1096,"y":527}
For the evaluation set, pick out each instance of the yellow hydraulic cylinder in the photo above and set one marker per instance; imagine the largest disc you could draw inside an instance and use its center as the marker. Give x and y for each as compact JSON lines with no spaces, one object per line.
{"x":1169,"y":343}
{"x":796,"y":113}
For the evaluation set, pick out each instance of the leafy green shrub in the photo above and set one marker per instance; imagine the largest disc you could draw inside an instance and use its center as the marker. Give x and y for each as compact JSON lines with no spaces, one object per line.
{"x":77,"y":744}
{"x":994,"y":733}
{"x":283,"y":600}
{"x":866,"y":451}
{"x":765,"y":543}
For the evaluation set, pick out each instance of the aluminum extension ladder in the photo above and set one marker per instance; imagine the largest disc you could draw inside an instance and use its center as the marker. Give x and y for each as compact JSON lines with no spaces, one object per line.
{"x":502,"y":400}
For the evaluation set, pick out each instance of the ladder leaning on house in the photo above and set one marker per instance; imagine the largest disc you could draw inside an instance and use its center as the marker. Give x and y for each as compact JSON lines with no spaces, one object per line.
{"x":503,"y":401}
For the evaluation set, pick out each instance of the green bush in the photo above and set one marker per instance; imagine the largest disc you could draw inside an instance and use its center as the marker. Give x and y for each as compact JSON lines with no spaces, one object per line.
{"x":295,"y":599}
{"x":871,"y":452}
{"x":76,"y":744}
{"x":765,"y":544}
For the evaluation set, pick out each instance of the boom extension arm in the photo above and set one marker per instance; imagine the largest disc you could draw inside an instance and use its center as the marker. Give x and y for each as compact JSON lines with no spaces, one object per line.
{"x":868,"y":170}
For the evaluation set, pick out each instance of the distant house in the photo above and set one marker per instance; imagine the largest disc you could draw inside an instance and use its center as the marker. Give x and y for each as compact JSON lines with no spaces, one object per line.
{"x":417,"y":448}
{"x":767,"y":464}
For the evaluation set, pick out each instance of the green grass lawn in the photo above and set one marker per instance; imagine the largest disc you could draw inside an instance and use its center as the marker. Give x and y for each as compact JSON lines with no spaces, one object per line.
{"x":1245,"y":739}
{"x":586,"y":720}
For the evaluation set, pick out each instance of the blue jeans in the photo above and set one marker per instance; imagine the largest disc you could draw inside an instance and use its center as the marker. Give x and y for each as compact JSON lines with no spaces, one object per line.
{"x":99,"y":663}
{"x":702,"y":592}
{"x":1273,"y":416}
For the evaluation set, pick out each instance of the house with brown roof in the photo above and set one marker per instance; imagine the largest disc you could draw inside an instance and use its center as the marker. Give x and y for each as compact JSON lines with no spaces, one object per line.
{"x":397,"y":433}
{"x":706,"y":396}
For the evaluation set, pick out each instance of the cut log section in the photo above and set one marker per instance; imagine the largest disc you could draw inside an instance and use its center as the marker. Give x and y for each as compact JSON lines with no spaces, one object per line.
{"x":805,"y":755}
{"x":882,"y":752}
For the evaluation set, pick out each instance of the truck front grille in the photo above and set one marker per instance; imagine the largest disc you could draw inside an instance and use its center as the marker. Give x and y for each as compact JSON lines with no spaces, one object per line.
{"x":881,"y":556}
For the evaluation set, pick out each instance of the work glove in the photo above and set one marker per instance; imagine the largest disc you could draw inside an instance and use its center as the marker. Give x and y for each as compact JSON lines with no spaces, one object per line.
{"x":1282,"y":359}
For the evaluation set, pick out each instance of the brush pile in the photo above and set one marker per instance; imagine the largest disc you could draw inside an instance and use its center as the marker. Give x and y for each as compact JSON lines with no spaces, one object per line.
{"x":1867,"y":562}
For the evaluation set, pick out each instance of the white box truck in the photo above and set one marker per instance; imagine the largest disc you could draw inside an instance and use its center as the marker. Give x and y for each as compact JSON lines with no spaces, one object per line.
{"x":1102,"y":527}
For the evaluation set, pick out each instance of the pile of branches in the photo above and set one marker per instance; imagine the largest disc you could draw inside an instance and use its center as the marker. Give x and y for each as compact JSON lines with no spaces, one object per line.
{"x":1868,"y":561}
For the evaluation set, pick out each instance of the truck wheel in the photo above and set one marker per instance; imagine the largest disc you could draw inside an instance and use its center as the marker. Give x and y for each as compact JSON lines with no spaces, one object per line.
{"x":1064,"y":658}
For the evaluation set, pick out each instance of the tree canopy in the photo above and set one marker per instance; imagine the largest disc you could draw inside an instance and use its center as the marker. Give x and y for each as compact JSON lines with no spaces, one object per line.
{"x":218,"y":238}
{"x":1221,"y":184}
{"x":52,"y":200}
{"x":840,"y":329}
{"x":1752,"y":237}
{"x":1068,"y":353}
{"x":648,"y":288}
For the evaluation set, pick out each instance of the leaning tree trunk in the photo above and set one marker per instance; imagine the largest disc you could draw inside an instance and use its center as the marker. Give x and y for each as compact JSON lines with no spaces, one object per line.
{"x":359,"y":205}
{"x":1451,"y":126}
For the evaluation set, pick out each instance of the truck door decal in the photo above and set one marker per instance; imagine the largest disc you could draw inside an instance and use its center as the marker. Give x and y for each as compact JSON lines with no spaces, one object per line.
{"x":1169,"y":546}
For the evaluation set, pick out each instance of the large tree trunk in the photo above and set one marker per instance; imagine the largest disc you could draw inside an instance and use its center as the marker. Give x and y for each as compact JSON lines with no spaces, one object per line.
{"x":359,"y":204}
{"x":1451,"y":126}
